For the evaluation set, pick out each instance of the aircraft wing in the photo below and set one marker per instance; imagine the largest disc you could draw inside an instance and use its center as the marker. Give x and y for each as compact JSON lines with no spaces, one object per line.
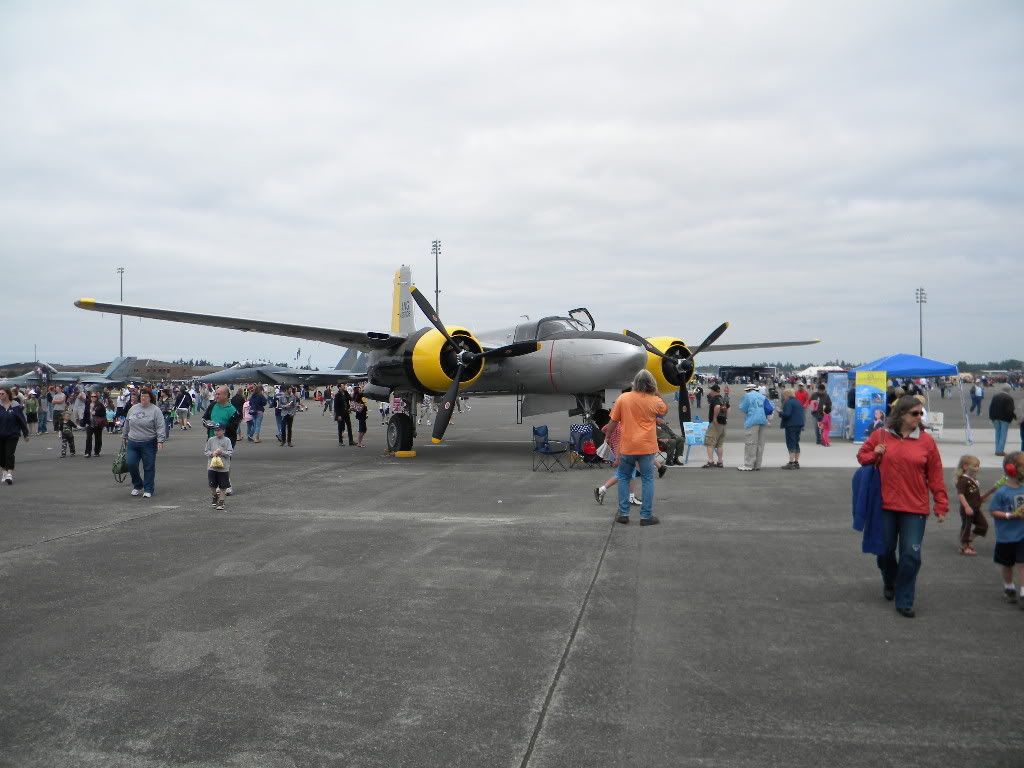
{"x":759,"y":345}
{"x":366,"y":341}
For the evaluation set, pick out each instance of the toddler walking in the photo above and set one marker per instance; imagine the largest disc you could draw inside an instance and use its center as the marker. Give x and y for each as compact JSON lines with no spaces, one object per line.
{"x":219,"y":449}
{"x":972,"y":521}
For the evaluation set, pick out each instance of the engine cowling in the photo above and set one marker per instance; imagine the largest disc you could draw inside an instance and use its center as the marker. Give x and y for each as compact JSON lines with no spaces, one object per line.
{"x":664,"y":369}
{"x":428,"y":362}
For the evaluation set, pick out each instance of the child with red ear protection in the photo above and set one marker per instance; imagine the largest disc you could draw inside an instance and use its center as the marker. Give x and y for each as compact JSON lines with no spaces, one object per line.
{"x":1007,"y":510}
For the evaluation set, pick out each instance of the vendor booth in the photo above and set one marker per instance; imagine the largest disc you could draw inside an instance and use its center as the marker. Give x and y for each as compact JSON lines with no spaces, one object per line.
{"x":904,"y":366}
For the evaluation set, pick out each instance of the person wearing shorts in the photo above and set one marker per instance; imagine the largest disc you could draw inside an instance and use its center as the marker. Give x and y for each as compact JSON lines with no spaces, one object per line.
{"x":1007,"y":511}
{"x":219,"y":450}
{"x":714,"y":440}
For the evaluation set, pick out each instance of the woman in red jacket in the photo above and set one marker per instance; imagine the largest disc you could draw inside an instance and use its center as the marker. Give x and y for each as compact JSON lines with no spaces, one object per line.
{"x":910,"y":466}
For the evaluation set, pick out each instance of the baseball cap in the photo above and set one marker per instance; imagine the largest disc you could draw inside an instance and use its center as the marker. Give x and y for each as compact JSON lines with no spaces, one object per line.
{"x":750,"y":387}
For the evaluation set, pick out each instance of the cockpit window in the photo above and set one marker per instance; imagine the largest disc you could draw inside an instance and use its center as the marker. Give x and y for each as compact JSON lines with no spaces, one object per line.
{"x":554,"y":325}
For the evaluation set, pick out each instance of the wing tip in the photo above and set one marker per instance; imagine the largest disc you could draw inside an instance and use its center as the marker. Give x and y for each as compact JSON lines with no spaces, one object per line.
{"x":85,"y":303}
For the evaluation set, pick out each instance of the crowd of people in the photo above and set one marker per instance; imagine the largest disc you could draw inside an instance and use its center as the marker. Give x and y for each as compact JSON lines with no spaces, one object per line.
{"x":146,"y":416}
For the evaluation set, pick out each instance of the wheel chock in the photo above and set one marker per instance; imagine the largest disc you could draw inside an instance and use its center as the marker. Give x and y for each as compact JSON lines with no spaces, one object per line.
{"x":405,"y":454}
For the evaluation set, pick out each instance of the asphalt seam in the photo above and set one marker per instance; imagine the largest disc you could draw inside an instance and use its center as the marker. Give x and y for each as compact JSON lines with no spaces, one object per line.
{"x":84,"y":531}
{"x":565,"y":653}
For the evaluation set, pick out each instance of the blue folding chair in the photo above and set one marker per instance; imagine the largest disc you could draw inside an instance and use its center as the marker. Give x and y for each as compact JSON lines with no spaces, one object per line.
{"x":547,"y":453}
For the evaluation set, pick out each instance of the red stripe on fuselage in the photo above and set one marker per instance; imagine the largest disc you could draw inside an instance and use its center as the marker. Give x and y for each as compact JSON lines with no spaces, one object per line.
{"x":551,"y":367}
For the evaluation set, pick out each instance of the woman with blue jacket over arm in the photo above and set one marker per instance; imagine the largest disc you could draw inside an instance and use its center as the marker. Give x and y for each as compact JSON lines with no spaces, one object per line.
{"x":791,"y":419}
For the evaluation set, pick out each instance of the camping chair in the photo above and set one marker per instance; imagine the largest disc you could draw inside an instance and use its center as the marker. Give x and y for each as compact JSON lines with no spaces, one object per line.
{"x":548,"y":453}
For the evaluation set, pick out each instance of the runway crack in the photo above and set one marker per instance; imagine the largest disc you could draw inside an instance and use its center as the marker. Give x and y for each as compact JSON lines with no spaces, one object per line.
{"x":565,"y":653}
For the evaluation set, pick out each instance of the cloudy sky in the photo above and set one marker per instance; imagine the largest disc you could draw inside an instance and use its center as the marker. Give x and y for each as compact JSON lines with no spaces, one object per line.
{"x":796,"y":168}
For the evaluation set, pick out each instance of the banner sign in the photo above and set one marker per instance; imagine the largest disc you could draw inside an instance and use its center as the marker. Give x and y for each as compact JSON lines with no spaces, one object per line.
{"x":869,"y":403}
{"x":837,"y":387}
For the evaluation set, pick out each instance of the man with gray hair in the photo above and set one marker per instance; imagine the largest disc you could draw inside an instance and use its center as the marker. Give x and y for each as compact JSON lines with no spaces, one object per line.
{"x":637,"y":414}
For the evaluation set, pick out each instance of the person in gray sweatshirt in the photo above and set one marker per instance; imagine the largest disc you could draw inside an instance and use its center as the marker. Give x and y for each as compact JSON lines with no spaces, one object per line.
{"x":218,"y":472}
{"x":145,"y":431}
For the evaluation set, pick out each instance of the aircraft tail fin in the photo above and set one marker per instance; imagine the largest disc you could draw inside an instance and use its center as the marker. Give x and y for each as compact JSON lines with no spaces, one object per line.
{"x":362,"y":364}
{"x":348,"y":360}
{"x":403,"y":322}
{"x":120,"y":368}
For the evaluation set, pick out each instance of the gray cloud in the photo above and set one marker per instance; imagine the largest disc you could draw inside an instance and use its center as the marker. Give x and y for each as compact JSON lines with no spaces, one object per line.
{"x":795,"y":168}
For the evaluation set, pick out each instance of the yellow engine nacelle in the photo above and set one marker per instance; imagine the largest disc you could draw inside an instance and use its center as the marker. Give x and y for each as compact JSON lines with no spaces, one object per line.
{"x":431,"y":362}
{"x":665,"y":371}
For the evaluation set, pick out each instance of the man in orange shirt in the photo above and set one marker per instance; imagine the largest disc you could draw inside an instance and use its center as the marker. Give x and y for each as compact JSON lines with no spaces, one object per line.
{"x":637,"y":411}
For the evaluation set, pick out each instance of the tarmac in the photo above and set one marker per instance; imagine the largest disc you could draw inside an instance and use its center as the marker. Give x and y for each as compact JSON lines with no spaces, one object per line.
{"x":458,"y":609}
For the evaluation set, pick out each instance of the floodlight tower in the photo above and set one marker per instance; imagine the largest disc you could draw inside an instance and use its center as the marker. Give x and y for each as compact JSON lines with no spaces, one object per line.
{"x":120,"y":272}
{"x":921,"y":298}
{"x":437,"y":291}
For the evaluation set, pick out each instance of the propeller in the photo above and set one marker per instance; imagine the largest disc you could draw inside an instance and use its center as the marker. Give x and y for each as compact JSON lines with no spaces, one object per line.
{"x":684,"y":365}
{"x":464,"y":357}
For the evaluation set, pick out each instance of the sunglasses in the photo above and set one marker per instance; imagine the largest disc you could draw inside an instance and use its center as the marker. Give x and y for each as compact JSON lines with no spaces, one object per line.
{"x":916,"y":413}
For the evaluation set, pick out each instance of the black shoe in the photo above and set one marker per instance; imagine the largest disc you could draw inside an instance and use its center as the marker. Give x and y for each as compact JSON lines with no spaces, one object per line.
{"x":652,"y":520}
{"x":888,"y":593}
{"x":1011,"y":594}
{"x":624,"y":519}
{"x":88,"y":455}
{"x":906,"y":612}
{"x":662,"y":470}
{"x":789,"y":466}
{"x":796,"y":465}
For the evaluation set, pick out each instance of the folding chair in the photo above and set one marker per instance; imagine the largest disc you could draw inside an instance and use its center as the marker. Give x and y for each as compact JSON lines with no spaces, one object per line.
{"x":578,"y":435}
{"x":549,"y":454}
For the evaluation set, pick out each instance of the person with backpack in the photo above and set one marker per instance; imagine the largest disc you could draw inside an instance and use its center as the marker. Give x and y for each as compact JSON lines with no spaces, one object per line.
{"x":718,"y":417}
{"x":977,"y":395}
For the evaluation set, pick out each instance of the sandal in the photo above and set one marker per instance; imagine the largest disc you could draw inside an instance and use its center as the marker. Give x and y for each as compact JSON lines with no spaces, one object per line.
{"x":709,"y":465}
{"x":968,"y":550}
{"x":719,"y":465}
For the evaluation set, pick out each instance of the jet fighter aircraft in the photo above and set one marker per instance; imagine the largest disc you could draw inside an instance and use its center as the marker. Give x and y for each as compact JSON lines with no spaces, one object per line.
{"x":117,"y":373}
{"x":351,"y":368}
{"x":550,"y":363}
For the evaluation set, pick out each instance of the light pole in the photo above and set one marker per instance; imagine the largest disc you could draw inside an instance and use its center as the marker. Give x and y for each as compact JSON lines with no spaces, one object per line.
{"x":437,"y":291}
{"x":120,"y":272}
{"x":921,"y":298}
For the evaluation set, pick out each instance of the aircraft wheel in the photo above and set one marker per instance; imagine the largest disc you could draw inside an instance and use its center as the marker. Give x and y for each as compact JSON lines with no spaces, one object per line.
{"x":400,"y":433}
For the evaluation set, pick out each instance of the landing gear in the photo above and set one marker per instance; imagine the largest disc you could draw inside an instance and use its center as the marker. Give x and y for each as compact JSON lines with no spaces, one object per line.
{"x":400,"y":432}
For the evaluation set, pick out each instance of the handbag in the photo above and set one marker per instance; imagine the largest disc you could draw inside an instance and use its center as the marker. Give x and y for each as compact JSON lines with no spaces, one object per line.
{"x":605,"y":452}
{"x":120,"y":466}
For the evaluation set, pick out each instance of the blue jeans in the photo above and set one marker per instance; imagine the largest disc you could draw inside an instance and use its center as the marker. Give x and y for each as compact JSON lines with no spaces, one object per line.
{"x":250,"y":428}
{"x":145,"y":452}
{"x":627,"y":464}
{"x":280,"y":420}
{"x":901,"y":575}
{"x":975,"y":403}
{"x":42,"y":421}
{"x":1002,"y":428}
{"x":257,"y":422}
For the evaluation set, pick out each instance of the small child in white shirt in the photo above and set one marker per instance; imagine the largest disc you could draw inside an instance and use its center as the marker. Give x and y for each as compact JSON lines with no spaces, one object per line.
{"x":219,"y":449}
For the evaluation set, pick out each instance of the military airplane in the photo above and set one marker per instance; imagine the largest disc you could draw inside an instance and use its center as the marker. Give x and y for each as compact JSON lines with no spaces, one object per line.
{"x":117,"y":373}
{"x":549,"y":364}
{"x":352,"y":367}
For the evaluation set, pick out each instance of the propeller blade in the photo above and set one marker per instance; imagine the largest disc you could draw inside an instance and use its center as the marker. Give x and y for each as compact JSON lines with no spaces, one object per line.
{"x":645,"y":343}
{"x":712,"y":338}
{"x":444,"y":412}
{"x":512,"y":350}
{"x":428,"y":310}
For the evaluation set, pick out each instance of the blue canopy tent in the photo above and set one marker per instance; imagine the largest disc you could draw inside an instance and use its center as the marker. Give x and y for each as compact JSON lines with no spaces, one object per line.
{"x":904,"y":366}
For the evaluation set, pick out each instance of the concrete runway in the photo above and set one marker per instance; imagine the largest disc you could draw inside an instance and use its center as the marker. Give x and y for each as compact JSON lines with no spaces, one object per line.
{"x":457,"y":609}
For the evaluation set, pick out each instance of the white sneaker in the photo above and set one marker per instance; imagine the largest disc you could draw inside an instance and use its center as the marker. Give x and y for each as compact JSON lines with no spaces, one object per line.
{"x":229,"y":491}
{"x":599,"y":493}
{"x":8,"y":478}
{"x":147,"y":495}
{"x":136,"y":492}
{"x":634,"y":500}
{"x":745,"y":469}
